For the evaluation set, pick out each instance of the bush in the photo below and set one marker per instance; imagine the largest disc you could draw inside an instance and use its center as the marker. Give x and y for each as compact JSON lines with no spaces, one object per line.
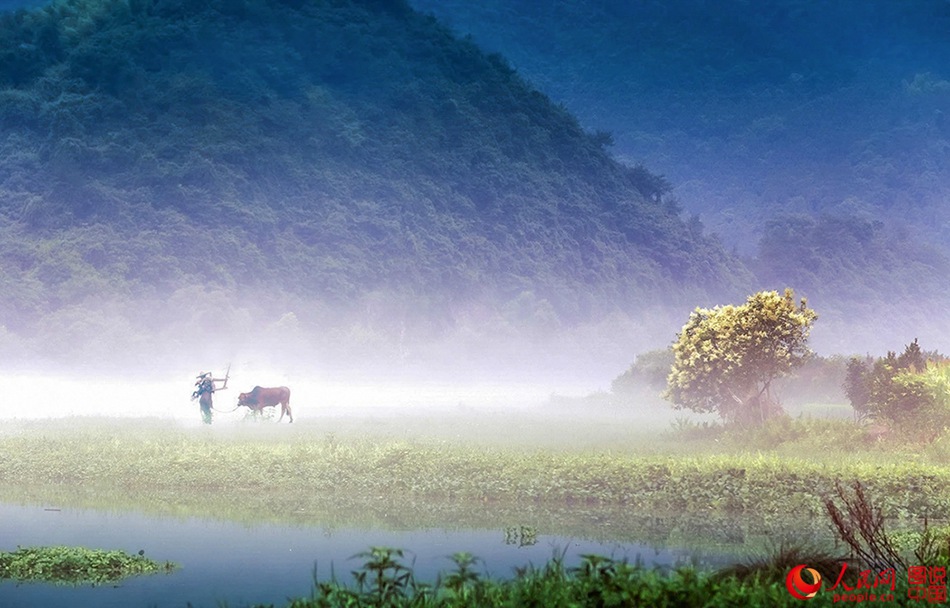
{"x":649,"y":370}
{"x":910,"y":391}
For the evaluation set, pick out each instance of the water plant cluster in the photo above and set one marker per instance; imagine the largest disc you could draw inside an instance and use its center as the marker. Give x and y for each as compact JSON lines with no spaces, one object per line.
{"x":385,"y":580}
{"x":76,"y":565}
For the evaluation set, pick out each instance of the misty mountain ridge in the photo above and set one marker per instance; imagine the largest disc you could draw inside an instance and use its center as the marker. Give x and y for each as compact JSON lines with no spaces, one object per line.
{"x":314,"y":177}
{"x":344,"y":170}
{"x":813,"y":139}
{"x":750,"y":108}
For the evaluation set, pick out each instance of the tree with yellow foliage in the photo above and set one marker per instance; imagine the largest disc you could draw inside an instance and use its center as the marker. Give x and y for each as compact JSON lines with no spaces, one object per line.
{"x":726,"y":358}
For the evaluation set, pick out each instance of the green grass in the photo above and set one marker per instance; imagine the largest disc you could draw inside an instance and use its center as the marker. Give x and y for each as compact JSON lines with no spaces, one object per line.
{"x":75,"y":565}
{"x":719,"y":474}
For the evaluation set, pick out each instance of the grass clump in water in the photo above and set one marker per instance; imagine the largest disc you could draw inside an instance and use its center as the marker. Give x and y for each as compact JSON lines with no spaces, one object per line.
{"x":75,"y":565}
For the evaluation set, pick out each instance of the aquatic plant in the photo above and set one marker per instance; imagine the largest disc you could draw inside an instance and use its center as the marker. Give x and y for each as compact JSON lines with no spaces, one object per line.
{"x":860,"y":524}
{"x":383,"y":578}
{"x":76,"y":565}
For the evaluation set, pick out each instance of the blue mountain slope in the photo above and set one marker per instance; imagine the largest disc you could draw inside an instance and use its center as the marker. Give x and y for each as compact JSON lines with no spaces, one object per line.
{"x":336,"y":154}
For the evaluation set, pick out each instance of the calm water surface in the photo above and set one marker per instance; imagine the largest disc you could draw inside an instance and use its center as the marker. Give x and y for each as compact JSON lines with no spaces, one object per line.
{"x":239,"y":565}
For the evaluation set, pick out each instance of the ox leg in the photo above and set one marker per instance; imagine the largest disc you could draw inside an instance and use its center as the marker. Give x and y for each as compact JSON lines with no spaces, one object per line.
{"x":285,"y":407}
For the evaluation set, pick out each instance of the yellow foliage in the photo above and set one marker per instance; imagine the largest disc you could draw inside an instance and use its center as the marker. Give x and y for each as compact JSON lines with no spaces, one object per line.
{"x":725,"y":358}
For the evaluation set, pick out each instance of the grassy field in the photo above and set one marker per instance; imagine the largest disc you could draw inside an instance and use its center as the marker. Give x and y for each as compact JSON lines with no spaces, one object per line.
{"x":606,"y":473}
{"x":465,"y":458}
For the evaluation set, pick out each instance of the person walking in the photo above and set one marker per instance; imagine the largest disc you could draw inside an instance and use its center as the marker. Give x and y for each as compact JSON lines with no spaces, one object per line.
{"x":204,"y":389}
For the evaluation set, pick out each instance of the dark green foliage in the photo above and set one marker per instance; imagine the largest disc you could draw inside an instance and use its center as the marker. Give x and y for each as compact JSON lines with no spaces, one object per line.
{"x":75,"y":565}
{"x":383,"y":579}
{"x":912,"y":359}
{"x":895,"y":389}
{"x":597,"y":581}
{"x":761,"y":107}
{"x":857,"y":385}
{"x":322,"y":150}
{"x":847,"y":252}
{"x":600,"y":582}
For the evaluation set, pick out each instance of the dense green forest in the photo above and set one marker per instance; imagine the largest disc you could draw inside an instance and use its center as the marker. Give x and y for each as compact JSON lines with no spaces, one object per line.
{"x":812,"y":137}
{"x":173,"y":170}
{"x":333,"y":175}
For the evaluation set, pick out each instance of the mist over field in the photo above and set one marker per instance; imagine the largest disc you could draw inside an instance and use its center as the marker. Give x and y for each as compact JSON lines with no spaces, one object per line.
{"x":107,"y":396}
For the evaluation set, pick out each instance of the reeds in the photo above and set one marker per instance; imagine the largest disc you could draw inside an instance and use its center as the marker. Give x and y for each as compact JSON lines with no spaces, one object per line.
{"x":861,"y":525}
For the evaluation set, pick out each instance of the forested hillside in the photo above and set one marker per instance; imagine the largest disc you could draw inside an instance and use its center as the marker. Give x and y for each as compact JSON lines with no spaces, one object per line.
{"x":812,"y":137}
{"x":749,"y":106}
{"x":179,"y":172}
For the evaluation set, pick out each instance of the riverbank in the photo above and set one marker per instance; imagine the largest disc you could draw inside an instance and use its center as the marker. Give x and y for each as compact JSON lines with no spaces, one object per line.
{"x":524,"y":477}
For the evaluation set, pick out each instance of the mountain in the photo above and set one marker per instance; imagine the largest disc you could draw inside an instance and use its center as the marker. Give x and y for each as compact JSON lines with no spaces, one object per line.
{"x":14,"y":5}
{"x":811,"y":137}
{"x":749,"y":107}
{"x":178,"y":174}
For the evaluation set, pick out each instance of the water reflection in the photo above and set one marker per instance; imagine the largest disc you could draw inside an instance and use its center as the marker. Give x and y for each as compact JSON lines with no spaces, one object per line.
{"x":242,"y":564}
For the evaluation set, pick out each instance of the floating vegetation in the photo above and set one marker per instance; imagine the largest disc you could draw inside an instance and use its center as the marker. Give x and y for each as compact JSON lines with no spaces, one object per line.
{"x":76,"y":565}
{"x":523,"y":536}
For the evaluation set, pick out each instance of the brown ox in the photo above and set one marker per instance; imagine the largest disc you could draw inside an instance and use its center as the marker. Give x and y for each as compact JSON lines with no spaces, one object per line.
{"x":259,"y":398}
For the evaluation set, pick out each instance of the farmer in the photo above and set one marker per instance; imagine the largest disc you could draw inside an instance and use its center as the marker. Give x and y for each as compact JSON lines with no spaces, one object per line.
{"x":204,"y":388}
